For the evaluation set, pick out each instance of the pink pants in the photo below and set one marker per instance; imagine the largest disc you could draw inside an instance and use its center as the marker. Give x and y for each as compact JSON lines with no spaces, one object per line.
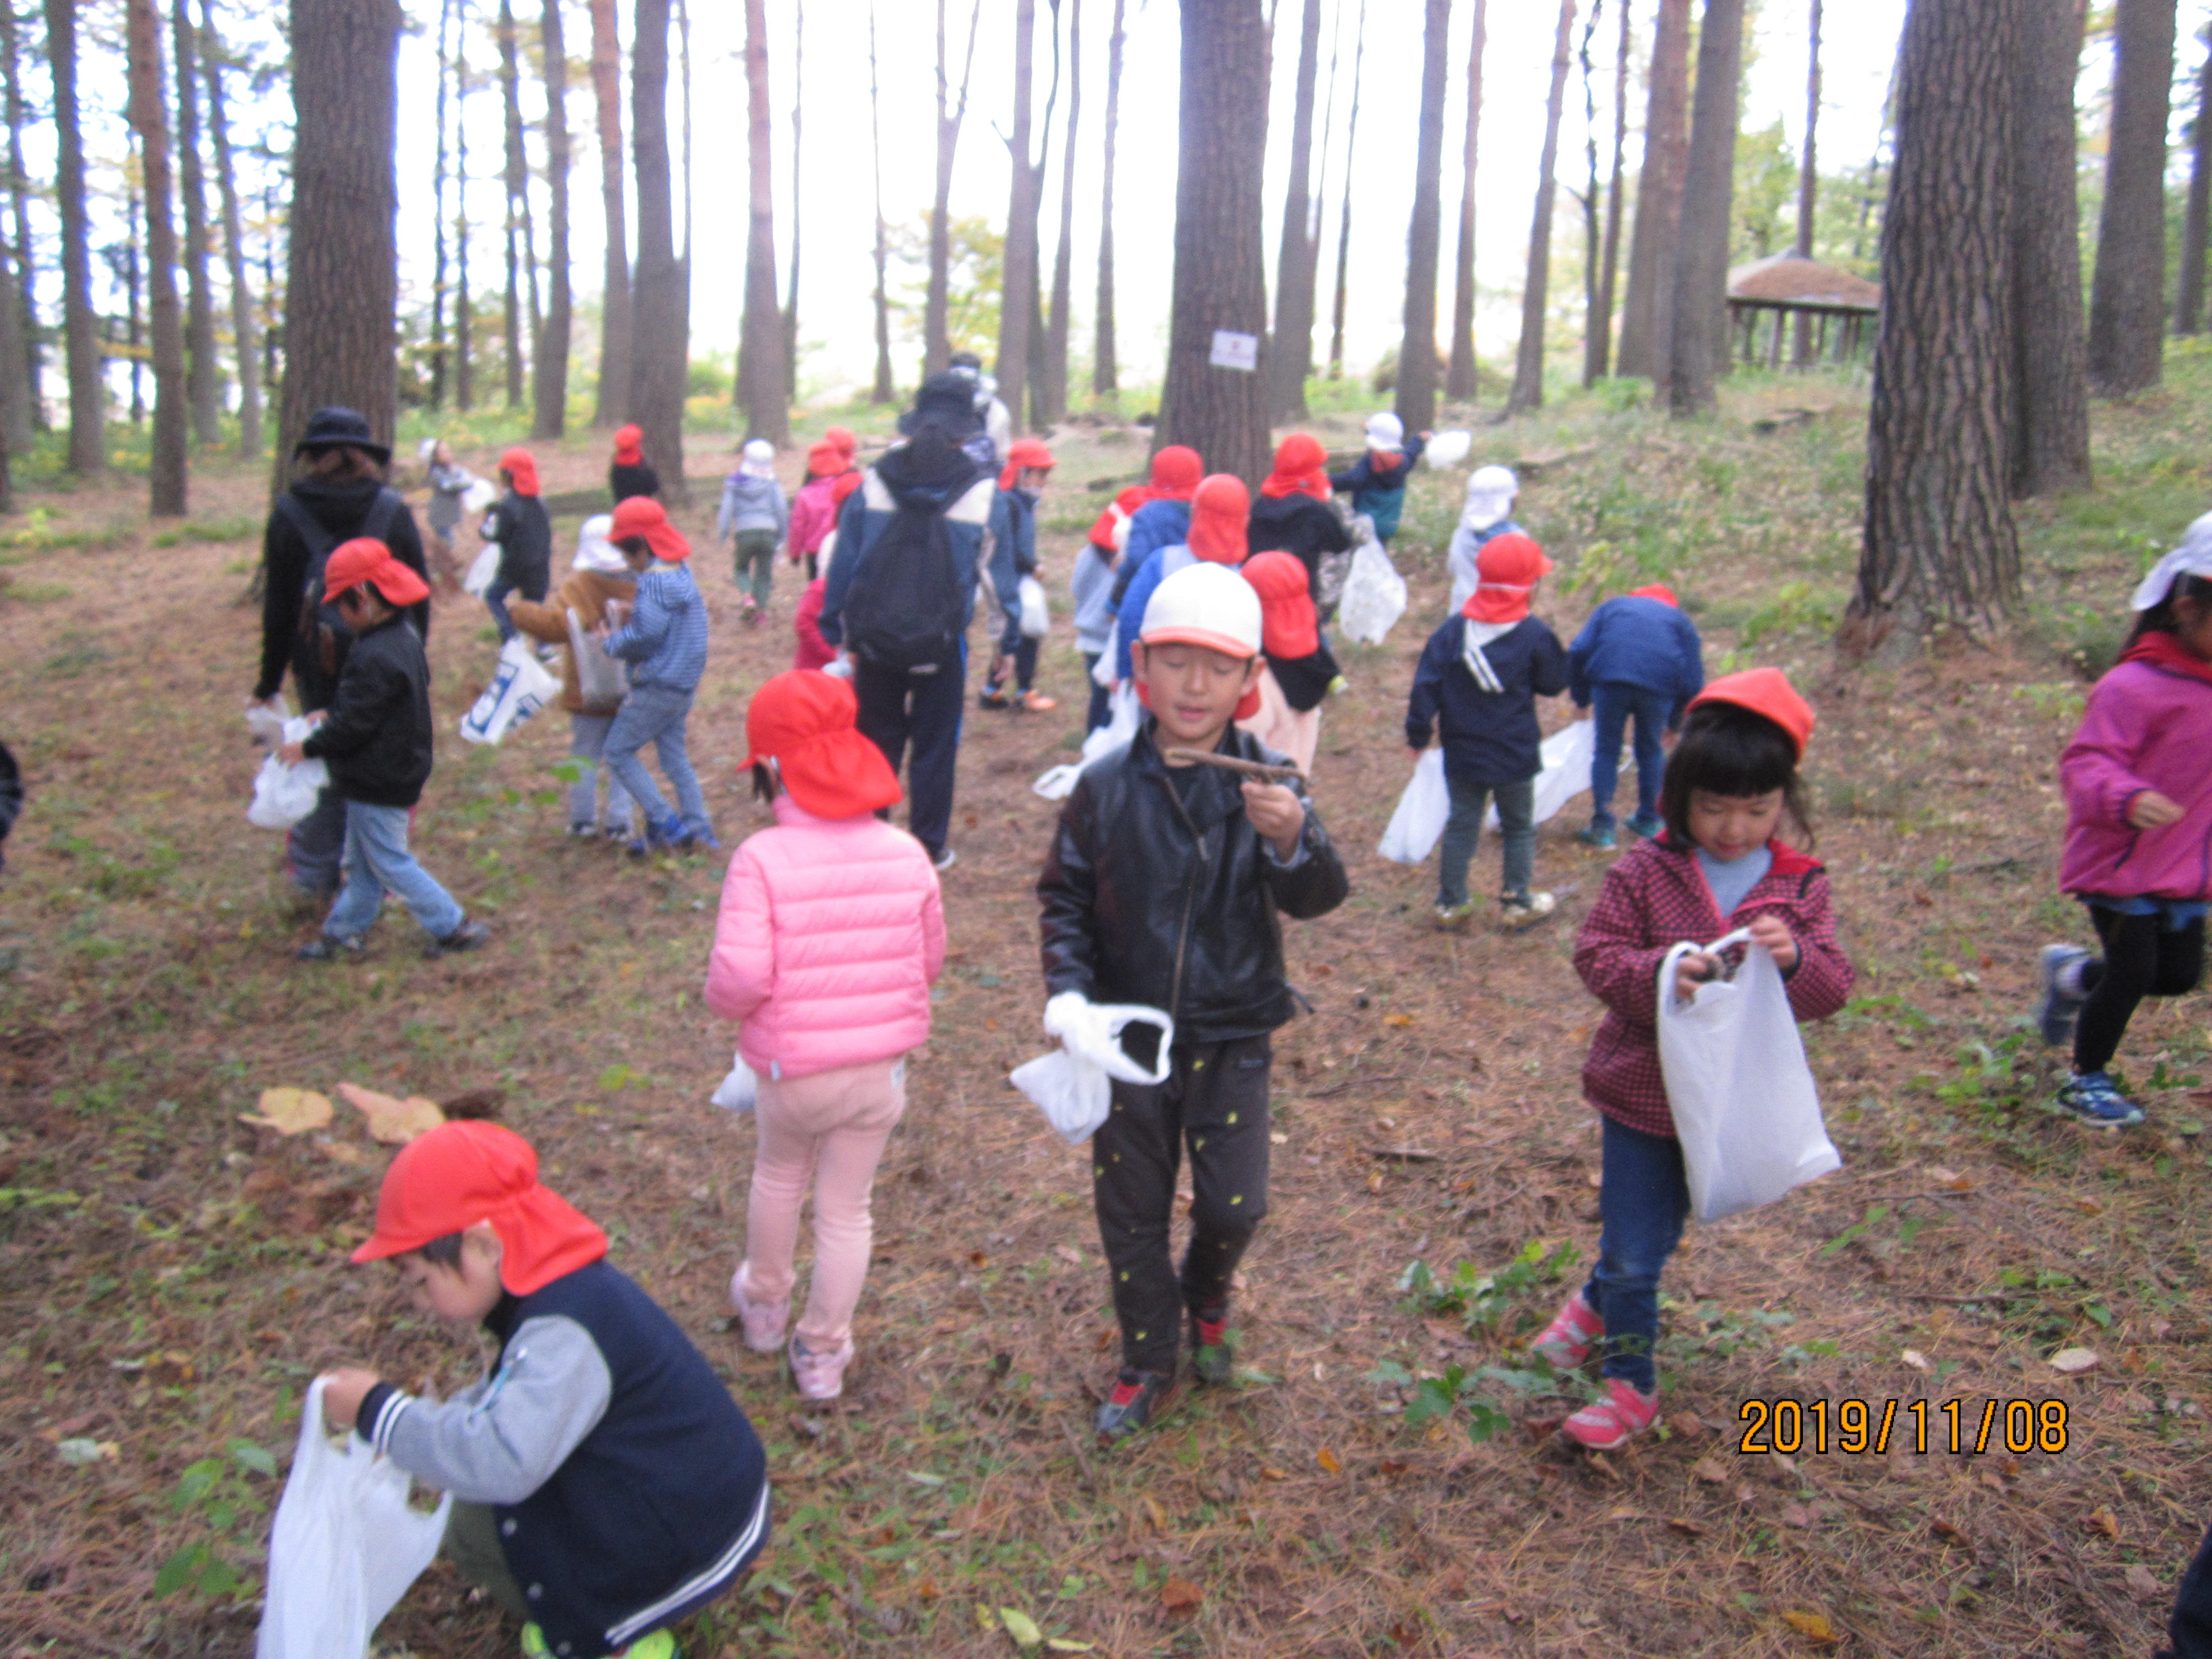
{"x":826,"y":1130}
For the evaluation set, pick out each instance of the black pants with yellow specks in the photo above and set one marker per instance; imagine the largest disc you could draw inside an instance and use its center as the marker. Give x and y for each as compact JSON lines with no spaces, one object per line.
{"x":1215,"y":1098}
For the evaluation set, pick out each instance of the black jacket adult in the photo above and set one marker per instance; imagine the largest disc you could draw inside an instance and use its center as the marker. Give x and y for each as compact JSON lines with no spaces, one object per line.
{"x":525,"y":536}
{"x":633,"y":479}
{"x":342,"y":507}
{"x":1297,"y":524}
{"x":376,"y":736}
{"x":1168,"y":897}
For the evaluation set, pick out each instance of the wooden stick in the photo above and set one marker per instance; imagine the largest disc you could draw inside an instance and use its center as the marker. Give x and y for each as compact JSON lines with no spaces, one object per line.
{"x":1253,"y":770}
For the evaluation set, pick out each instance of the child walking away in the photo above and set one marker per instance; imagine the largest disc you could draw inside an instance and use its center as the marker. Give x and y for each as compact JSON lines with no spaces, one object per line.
{"x":1637,"y":657}
{"x":1300,"y":670}
{"x":1014,"y":560}
{"x":448,"y":482}
{"x":1477,"y":685}
{"x":631,"y":474}
{"x":1487,"y":511}
{"x":1219,"y":510}
{"x":600,"y":576}
{"x":812,"y":651}
{"x":831,"y":931}
{"x":1162,"y":888}
{"x":376,"y":739}
{"x":1296,"y":513}
{"x":1376,"y":481}
{"x":1164,"y":520}
{"x":665,"y":641}
{"x":814,"y":508}
{"x":1715,"y":868}
{"x":754,"y":514}
{"x":518,"y":523}
{"x":605,"y":1485}
{"x":2138,"y":783}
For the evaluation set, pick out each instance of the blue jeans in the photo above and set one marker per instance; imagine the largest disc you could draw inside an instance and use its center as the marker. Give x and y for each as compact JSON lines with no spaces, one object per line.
{"x":1102,"y":701}
{"x":314,"y":849}
{"x":377,"y":862}
{"x":1516,"y":823}
{"x":1644,"y":1201}
{"x":656,"y":715}
{"x":532,"y":585}
{"x":587,"y":743}
{"x":1612,"y":703}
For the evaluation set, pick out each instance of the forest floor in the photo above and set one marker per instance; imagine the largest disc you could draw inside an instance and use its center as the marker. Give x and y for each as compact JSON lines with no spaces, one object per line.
{"x":171,"y":1277}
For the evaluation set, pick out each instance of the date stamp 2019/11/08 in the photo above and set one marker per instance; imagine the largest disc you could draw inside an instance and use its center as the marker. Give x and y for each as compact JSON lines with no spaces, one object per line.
{"x":1855,"y":1426}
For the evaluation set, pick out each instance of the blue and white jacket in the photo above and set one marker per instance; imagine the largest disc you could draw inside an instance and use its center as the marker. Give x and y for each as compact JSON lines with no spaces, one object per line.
{"x":666,"y":634}
{"x":629,"y":1488}
{"x":1477,"y":686}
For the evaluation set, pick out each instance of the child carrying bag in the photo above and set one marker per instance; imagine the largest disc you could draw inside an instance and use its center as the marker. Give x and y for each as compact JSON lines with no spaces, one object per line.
{"x":344,"y":1548}
{"x":283,"y":794}
{"x":1745,"y":1109}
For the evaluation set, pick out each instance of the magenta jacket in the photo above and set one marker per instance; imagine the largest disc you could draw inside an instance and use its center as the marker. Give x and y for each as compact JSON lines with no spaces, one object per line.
{"x":1655,"y":898}
{"x":2146,"y":728}
{"x":830,"y":932}
{"x":813,"y":515}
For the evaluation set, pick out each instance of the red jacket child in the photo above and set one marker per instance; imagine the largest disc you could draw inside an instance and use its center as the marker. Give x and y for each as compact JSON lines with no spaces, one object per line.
{"x":813,"y":651}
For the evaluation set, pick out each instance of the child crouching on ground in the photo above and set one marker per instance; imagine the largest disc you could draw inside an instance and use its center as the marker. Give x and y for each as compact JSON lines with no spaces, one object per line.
{"x":1161,"y":888}
{"x":604,"y":1484}
{"x":599,"y":577}
{"x":1716,"y":866}
{"x":830,"y":933}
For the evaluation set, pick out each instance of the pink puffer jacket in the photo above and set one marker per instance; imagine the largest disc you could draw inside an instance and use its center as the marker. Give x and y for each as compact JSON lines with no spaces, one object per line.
{"x":830,"y":932}
{"x":2146,"y":728}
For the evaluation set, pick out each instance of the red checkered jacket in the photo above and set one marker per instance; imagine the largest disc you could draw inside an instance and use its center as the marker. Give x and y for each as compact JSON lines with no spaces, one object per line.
{"x":1657,"y":898}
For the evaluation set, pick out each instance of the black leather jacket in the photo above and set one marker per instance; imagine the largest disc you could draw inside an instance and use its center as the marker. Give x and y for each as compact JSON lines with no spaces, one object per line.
{"x":1149,"y":900}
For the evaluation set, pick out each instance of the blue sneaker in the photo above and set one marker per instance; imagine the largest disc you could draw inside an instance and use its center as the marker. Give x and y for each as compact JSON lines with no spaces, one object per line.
{"x":705,"y":838}
{"x":2093,"y":1098}
{"x":1600,"y":835}
{"x":668,"y":835}
{"x":2056,"y":1009}
{"x":1646,"y":827}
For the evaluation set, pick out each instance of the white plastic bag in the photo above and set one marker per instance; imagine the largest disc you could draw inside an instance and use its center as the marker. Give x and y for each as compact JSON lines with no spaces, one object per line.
{"x":1418,"y":820}
{"x":1566,"y":756}
{"x":1448,"y":448}
{"x":517,"y":690}
{"x":1037,"y":613}
{"x":1374,"y":595}
{"x":1072,"y":1086}
{"x":1059,"y":782}
{"x":1102,"y":671}
{"x":344,"y":1548}
{"x":740,"y":1090}
{"x":482,"y":570}
{"x":480,"y":496}
{"x":600,"y":678}
{"x":266,"y":721}
{"x":1745,"y":1109}
{"x":283,"y":794}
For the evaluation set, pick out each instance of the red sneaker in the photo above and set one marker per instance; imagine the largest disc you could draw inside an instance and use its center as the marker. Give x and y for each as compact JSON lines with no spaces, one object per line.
{"x":1567,"y":1341}
{"x":1614,"y":1420}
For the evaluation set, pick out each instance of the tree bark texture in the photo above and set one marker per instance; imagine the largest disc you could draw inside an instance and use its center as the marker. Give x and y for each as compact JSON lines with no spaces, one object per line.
{"x":516,"y":177}
{"x":2127,"y":304}
{"x":244,"y":325}
{"x":936,"y":343}
{"x":1017,"y":297}
{"x":883,"y":390}
{"x":1105,"y":372}
{"x":167,"y":473}
{"x":204,"y":382}
{"x":1462,"y":379}
{"x":657,"y":367}
{"x":551,"y":386}
{"x":2050,"y":383}
{"x":1417,"y":350}
{"x":18,"y":432}
{"x":1220,"y":277}
{"x":88,"y":400}
{"x":2189,"y":299}
{"x":1940,"y":548}
{"x":1808,"y":177}
{"x":610,"y":406}
{"x":19,"y":194}
{"x":1592,"y":196}
{"x":1052,"y":381}
{"x":440,"y":364}
{"x":1290,"y":353}
{"x":341,"y":292}
{"x":1647,"y":317}
{"x":760,"y":340}
{"x":1528,"y":363}
{"x":464,"y":311}
{"x":1344,"y":214}
{"x":791,"y":290}
{"x":1697,"y":351}
{"x":1609,"y":270}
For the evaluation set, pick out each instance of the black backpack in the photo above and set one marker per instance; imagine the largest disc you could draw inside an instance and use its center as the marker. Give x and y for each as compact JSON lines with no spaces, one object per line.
{"x":320,"y":641}
{"x":904,"y":610}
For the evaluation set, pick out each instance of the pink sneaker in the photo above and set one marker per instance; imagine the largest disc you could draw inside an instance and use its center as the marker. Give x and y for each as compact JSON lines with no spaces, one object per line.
{"x":819,"y":1376}
{"x":1567,"y":1341}
{"x":1614,"y":1420}
{"x":763,"y":1321}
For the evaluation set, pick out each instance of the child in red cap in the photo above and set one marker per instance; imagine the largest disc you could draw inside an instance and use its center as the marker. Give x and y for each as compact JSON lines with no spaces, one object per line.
{"x":1715,"y":866}
{"x":375,"y":736}
{"x":629,"y":473}
{"x":604,"y":1484}
{"x":1301,"y":671}
{"x":1014,"y":560}
{"x":518,"y":523}
{"x":831,"y":931}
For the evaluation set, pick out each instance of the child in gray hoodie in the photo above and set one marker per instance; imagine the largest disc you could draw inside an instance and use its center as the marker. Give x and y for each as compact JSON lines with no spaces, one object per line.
{"x":755,"y":513}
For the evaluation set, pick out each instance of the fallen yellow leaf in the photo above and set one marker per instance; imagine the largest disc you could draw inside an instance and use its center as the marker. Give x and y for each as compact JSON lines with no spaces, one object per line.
{"x":1397,"y":1019}
{"x":289,"y":1111}
{"x":1329,"y":1460}
{"x":393,"y":1120}
{"x":1178,"y":1593}
{"x":2101,"y":1519}
{"x":1814,"y":1627}
{"x":1021,"y":1627}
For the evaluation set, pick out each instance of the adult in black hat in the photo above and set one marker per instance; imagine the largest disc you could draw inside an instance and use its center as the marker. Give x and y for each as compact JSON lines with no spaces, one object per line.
{"x":338,"y":492}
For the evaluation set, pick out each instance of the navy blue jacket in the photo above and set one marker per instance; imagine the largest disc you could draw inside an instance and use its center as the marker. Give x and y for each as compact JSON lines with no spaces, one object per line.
{"x":868,"y":512}
{"x":1639,"y":641}
{"x":1379,"y":493}
{"x":1489,"y":737}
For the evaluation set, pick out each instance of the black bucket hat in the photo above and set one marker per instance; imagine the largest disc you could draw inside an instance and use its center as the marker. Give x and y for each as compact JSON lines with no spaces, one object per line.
{"x":947,"y":400}
{"x":340,"y":428}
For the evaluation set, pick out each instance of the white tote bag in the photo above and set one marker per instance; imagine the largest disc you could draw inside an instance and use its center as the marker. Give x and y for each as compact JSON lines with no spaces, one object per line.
{"x":520,"y":688}
{"x":482,"y":570}
{"x":1036,"y":611}
{"x":344,"y":1548}
{"x":1745,"y":1109}
{"x":601,"y":680}
{"x":1373,"y":596}
{"x":1418,"y":823}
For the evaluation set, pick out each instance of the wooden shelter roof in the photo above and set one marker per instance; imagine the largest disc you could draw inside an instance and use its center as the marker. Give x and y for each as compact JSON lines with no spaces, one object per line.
{"x":1783,"y":279}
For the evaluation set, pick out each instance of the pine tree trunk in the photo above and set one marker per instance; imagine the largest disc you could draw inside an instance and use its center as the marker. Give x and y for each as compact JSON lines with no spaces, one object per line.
{"x":1462,"y":380}
{"x":1052,"y":382}
{"x":464,"y":311}
{"x":165,"y":472}
{"x":19,"y":375}
{"x":87,"y":440}
{"x":1290,"y":353}
{"x":2189,"y":298}
{"x":791,"y":290}
{"x":1610,"y":273}
{"x":1592,"y":201}
{"x":2051,"y":378}
{"x":1017,"y":300}
{"x":204,"y":384}
{"x":1647,"y":314}
{"x":341,"y":293}
{"x":883,"y":390}
{"x":610,"y":406}
{"x":1697,"y":353}
{"x":552,"y":383}
{"x":517,"y":179}
{"x":1939,"y":550}
{"x":936,"y":342}
{"x":1220,"y":278}
{"x":657,"y":367}
{"x":19,"y":194}
{"x":1808,"y":177}
{"x":134,"y":259}
{"x":2127,"y":304}
{"x":760,"y":345}
{"x":439,"y":367}
{"x":1417,"y":352}
{"x":1105,"y":371}
{"x":244,"y":327}
{"x":1344,"y":215}
{"x":1528,"y":362}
